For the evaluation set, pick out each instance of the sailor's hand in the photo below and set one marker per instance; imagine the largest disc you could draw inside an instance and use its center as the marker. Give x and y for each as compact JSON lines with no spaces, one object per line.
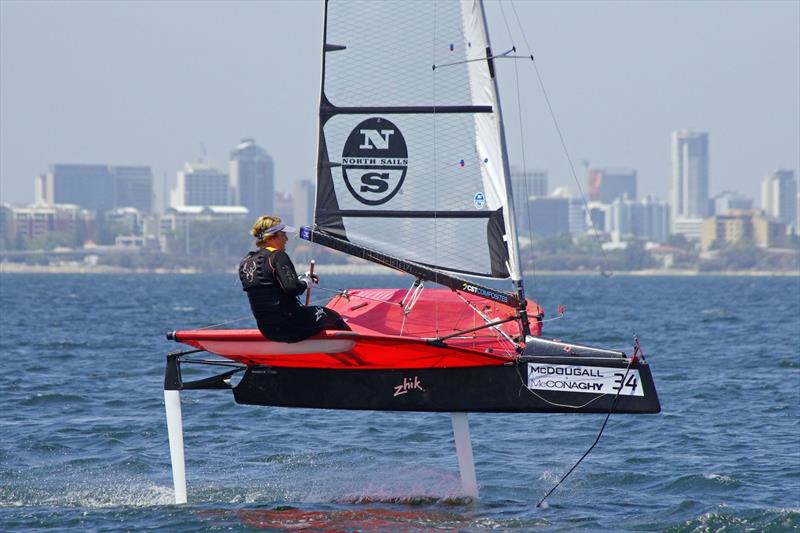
{"x":305,"y":278}
{"x":313,"y":277}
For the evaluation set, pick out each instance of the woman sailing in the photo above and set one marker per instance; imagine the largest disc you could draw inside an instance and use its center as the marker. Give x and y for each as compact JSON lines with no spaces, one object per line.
{"x":273,"y":288}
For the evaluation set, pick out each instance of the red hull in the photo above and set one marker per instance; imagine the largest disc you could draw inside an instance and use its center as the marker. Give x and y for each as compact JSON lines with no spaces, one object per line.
{"x":383,"y":336}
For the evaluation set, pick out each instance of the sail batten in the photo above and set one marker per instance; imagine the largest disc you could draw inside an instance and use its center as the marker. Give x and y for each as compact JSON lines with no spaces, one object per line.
{"x":411,"y":161}
{"x":330,"y":110}
{"x":406,"y":214}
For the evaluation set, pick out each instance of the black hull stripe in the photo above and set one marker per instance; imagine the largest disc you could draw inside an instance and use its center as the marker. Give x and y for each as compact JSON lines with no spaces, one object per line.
{"x":493,"y":389}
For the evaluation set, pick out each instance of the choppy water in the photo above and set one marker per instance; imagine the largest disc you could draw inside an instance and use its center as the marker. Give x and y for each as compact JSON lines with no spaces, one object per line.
{"x":83,"y":441}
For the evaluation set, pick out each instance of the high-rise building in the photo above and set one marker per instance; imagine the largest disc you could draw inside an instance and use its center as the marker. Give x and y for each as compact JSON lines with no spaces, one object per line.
{"x":133,"y":187}
{"x":608,"y":184}
{"x":43,"y":189}
{"x":252,"y":177}
{"x":549,"y":216}
{"x":655,"y":219}
{"x":577,"y":217}
{"x":647,"y":219}
{"x":689,"y":176}
{"x":88,"y":186}
{"x":728,"y":201}
{"x":304,"y":198}
{"x":532,"y":183}
{"x":576,"y":211}
{"x":284,"y":207}
{"x":6,"y":219}
{"x":597,"y":216}
{"x":778,"y":195}
{"x":202,"y":185}
{"x":96,"y":187}
{"x":523,"y":187}
{"x":797,"y":214}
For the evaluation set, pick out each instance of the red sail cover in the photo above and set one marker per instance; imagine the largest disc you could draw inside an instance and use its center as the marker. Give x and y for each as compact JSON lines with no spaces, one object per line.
{"x":384,"y":336}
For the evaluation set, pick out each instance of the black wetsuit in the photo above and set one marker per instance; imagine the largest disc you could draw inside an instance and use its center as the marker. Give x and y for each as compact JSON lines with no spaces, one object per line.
{"x":272,"y":286}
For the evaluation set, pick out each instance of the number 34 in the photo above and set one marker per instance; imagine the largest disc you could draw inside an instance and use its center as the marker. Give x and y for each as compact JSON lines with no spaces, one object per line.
{"x":630,"y":382}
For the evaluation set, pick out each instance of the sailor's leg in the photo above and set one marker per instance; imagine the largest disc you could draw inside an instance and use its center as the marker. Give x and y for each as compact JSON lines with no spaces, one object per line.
{"x":172,"y":401}
{"x":321,"y":318}
{"x":334,"y":320}
{"x":466,"y":464}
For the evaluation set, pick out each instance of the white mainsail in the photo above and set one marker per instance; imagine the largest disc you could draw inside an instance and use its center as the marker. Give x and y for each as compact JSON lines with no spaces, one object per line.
{"x":412,"y":159}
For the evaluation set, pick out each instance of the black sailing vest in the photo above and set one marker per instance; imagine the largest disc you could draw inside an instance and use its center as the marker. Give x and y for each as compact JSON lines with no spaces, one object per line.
{"x":267,"y":300}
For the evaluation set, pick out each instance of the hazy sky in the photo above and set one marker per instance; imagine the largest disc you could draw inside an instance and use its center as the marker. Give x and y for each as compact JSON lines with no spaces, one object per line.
{"x":151,"y":82}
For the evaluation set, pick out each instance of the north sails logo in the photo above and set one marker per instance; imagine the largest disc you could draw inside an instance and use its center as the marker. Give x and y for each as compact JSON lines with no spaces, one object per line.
{"x":374,"y":161}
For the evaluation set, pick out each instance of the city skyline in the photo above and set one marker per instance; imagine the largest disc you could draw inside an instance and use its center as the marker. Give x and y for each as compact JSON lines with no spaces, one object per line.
{"x":136,"y":100}
{"x":132,"y":186}
{"x":79,"y":204}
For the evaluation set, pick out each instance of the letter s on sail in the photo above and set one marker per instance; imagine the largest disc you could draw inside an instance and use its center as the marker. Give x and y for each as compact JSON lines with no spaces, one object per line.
{"x":375,"y":182}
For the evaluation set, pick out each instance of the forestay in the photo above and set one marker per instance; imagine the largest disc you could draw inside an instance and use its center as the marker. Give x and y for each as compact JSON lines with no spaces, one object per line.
{"x":411,"y":158}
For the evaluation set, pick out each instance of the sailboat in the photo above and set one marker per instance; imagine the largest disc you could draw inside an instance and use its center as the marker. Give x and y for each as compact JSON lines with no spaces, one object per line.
{"x":413,"y":174}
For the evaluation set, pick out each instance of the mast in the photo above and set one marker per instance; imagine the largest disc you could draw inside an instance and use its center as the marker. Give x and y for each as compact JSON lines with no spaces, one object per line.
{"x":321,"y":96}
{"x":324,"y":182}
{"x":512,"y":241}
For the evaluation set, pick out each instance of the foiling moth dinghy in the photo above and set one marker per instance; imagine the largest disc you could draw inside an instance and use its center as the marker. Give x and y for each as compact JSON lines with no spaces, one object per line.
{"x":413,"y":174}
{"x":387,"y":363}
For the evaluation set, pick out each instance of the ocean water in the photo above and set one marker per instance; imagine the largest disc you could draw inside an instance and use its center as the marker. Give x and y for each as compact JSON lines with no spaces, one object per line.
{"x":83,"y":441}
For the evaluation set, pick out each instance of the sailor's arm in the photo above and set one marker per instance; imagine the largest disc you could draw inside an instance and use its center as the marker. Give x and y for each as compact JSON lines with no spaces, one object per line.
{"x":287,"y":276}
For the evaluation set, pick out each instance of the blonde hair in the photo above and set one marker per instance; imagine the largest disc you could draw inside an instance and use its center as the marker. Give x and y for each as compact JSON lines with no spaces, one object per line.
{"x":262,"y":224}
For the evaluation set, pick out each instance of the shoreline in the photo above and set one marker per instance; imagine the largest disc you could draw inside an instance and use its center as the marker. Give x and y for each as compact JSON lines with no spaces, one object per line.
{"x":365,"y":270}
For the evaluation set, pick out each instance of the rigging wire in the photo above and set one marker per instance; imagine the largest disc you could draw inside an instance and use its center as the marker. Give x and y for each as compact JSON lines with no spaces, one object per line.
{"x":488,"y":320}
{"x":596,"y":233}
{"x":413,"y":295}
{"x":596,"y":440}
{"x":508,"y":28}
{"x":501,"y":55}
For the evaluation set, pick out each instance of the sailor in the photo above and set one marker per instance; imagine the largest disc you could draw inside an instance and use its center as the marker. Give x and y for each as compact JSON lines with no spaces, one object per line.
{"x":273,"y":287}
